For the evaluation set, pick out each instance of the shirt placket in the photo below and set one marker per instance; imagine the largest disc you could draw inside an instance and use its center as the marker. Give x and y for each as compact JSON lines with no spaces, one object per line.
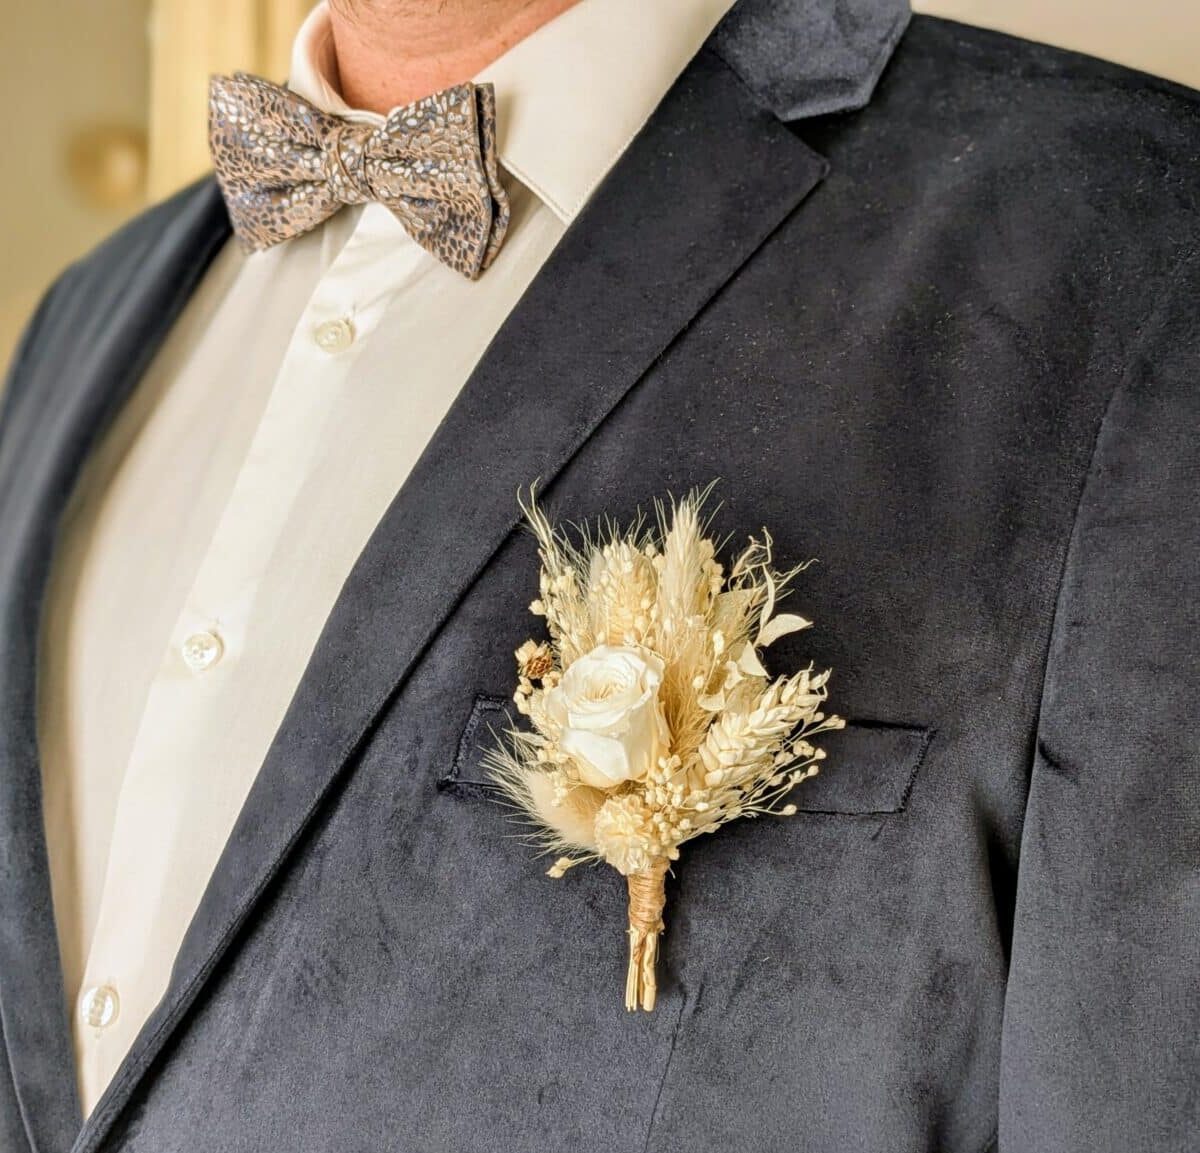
{"x":176,"y":805}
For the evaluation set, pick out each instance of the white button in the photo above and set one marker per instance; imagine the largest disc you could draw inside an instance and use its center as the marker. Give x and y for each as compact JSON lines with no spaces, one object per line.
{"x":201,"y":651}
{"x":335,"y":335}
{"x":99,"y":1006}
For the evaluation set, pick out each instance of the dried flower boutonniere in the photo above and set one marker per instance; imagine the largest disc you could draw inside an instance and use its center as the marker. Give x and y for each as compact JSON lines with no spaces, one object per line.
{"x":653,"y":718}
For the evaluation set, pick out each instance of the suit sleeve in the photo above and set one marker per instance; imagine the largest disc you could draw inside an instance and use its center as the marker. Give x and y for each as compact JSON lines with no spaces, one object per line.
{"x":1101,"y":1048}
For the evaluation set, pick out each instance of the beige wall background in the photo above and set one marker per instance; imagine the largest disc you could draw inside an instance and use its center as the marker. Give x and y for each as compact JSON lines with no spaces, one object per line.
{"x":72,"y":68}
{"x":1159,"y":36}
{"x":108,"y":101}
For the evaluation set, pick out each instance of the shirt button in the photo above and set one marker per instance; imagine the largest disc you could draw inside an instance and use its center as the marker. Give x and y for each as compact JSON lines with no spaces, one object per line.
{"x":201,"y":651}
{"x":99,"y":1006}
{"x":335,"y":335}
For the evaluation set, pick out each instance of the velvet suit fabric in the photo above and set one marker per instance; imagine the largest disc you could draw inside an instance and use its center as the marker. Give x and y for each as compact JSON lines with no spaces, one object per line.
{"x":947,"y":344}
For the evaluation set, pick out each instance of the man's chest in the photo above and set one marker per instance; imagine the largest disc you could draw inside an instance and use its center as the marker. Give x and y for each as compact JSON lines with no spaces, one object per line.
{"x":414,"y":945}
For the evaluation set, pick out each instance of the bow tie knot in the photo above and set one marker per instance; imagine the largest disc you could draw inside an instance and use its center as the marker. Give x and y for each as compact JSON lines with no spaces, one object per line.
{"x":285,"y":166}
{"x":346,"y":164}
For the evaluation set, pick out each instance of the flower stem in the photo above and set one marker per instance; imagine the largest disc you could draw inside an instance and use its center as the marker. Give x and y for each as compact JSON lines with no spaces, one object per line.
{"x":647,"y":900}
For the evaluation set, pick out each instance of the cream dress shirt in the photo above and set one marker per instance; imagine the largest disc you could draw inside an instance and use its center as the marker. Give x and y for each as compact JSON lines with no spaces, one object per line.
{"x":215,"y":524}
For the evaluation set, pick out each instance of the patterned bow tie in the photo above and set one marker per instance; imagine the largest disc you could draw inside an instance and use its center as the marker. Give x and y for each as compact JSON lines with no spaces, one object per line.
{"x":285,"y":166}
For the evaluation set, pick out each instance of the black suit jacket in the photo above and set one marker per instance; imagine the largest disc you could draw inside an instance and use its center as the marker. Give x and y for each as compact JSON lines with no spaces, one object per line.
{"x":947,"y":343}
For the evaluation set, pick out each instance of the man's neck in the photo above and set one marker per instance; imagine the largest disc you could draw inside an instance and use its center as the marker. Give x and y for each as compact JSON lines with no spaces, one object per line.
{"x":391,"y":52}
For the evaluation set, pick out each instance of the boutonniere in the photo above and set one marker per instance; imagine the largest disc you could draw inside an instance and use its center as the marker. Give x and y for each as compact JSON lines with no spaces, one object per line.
{"x":653,"y":719}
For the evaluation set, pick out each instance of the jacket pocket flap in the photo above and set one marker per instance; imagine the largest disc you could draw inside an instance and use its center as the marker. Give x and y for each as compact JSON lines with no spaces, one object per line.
{"x":490,"y":718}
{"x":870,"y":766}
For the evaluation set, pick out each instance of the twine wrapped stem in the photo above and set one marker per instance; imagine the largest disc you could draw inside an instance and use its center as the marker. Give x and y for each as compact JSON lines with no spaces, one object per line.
{"x":647,"y":900}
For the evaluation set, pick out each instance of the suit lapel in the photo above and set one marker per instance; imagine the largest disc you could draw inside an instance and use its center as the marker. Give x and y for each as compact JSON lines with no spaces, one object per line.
{"x":702,"y":186}
{"x":93,"y":345}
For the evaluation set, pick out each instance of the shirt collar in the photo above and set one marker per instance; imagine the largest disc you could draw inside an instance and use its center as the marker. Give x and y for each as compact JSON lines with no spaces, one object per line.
{"x":570,"y":97}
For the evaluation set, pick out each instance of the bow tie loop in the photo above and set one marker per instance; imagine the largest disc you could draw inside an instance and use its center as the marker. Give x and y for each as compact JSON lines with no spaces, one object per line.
{"x":346,"y":168}
{"x":285,"y":166}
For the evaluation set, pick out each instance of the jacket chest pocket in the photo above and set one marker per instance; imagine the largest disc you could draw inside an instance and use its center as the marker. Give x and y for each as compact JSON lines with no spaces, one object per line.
{"x":847,"y":852}
{"x":870,"y":770}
